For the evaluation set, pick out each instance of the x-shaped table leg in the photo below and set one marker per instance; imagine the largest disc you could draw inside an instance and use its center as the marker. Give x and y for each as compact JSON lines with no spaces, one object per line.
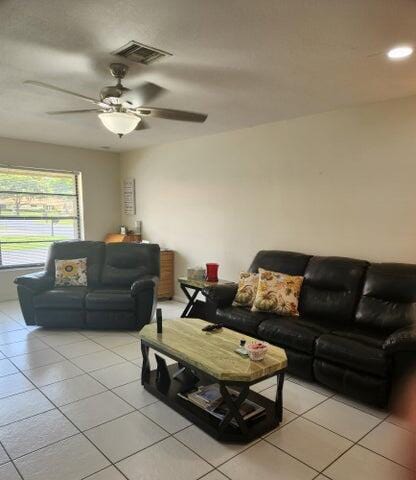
{"x":234,"y":408}
{"x":191,"y":300}
{"x":145,"y":364}
{"x":279,"y":396}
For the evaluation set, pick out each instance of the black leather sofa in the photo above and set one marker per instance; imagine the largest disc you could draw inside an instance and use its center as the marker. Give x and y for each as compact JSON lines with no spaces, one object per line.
{"x":356,"y":328}
{"x":121,"y":293}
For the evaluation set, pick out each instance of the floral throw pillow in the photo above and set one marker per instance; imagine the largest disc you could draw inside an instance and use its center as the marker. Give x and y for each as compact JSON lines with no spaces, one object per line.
{"x":277,"y":293}
{"x":247,"y":289}
{"x":71,"y":273}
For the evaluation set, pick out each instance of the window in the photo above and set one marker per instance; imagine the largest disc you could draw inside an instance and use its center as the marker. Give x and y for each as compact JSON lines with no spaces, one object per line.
{"x":37,"y":207}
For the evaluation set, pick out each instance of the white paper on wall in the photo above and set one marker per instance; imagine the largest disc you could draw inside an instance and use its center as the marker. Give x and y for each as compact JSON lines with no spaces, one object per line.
{"x":129,"y":196}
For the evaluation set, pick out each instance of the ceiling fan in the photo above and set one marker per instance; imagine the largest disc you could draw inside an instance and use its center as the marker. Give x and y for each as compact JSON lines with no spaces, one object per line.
{"x":121,"y":109}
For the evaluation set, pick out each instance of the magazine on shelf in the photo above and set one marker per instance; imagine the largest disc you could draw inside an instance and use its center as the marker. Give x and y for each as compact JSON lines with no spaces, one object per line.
{"x":209,"y":398}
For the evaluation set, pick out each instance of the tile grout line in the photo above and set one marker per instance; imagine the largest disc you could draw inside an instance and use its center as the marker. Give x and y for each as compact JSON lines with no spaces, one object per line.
{"x":15,"y":466}
{"x":341,"y":455}
{"x":353,"y":444}
{"x":172,"y":435}
{"x":333,"y":431}
{"x":361,"y":408}
{"x":356,"y":443}
{"x":9,"y":357}
{"x":138,"y":409}
{"x":65,"y":359}
{"x":80,"y":432}
{"x":380,"y":454}
{"x":252,"y":444}
{"x":102,"y":469}
{"x":11,"y":461}
{"x":169,"y":435}
{"x":30,"y":416}
{"x":291,"y":455}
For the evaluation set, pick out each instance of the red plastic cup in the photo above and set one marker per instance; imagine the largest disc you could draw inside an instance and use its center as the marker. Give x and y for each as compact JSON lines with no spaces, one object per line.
{"x":212,"y":272}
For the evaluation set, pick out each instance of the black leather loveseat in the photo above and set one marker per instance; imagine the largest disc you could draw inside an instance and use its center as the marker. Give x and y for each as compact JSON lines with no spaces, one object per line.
{"x":356,"y":328}
{"x":121,"y":292}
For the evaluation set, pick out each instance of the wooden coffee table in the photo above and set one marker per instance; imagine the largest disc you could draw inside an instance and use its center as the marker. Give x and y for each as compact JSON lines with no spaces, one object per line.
{"x":211,"y":358}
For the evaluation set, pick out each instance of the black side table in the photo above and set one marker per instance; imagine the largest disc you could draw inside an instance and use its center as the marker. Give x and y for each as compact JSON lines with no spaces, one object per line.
{"x":191,"y":288}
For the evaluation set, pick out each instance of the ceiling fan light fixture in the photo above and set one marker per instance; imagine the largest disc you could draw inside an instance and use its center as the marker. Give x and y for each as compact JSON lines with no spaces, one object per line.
{"x":119,"y":123}
{"x":400,"y":52}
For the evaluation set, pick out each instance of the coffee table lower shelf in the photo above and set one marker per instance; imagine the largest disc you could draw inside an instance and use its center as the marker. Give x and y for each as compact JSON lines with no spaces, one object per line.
{"x":162,"y":384}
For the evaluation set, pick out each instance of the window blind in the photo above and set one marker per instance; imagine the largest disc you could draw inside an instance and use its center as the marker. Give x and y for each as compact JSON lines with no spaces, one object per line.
{"x":37,"y":207}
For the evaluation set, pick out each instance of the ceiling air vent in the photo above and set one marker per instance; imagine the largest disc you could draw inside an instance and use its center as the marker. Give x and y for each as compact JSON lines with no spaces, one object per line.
{"x":139,"y":53}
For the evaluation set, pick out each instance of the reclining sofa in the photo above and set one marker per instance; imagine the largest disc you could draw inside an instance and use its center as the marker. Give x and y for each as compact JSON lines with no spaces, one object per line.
{"x":121,"y":293}
{"x":356,"y":332}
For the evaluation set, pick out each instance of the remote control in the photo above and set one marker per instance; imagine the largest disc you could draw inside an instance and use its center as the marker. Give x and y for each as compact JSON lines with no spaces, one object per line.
{"x":212,"y":327}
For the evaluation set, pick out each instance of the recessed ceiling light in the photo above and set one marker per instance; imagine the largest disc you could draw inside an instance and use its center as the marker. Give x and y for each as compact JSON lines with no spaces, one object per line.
{"x":397,"y":53}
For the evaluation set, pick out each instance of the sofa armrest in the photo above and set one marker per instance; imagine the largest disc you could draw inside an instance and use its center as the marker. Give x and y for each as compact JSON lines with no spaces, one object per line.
{"x":144,"y":291}
{"x":221,"y":295}
{"x":146,"y":282}
{"x":37,"y":282}
{"x":401,"y":340}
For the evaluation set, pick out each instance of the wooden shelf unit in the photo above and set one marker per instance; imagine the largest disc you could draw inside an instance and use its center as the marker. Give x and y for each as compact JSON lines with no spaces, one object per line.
{"x":166,"y":284}
{"x":119,"y":237}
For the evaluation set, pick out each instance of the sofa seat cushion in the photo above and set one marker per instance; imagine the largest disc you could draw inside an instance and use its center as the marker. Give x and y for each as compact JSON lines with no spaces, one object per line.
{"x":72,"y":298}
{"x":110,"y":299}
{"x":299,"y":333}
{"x":369,"y":337}
{"x":358,"y":351}
{"x":241,"y":319}
{"x":363,"y":386}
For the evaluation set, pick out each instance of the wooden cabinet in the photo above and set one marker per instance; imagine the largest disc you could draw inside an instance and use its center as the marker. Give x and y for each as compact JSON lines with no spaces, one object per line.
{"x":166,"y":284}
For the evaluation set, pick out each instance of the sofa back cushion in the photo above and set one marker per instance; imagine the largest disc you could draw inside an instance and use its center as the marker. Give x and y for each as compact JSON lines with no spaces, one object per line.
{"x":92,"y":251}
{"x":291,"y":263}
{"x":388,"y":301}
{"x":126,"y":262}
{"x":331,"y":288}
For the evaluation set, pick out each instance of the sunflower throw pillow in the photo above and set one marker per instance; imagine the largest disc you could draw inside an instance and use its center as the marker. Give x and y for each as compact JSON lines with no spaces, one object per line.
{"x":247,"y":289}
{"x":277,"y":293}
{"x":71,"y":273}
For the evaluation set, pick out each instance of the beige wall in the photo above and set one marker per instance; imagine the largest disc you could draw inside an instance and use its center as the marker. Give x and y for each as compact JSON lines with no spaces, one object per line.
{"x":100,"y":183}
{"x":339,"y":183}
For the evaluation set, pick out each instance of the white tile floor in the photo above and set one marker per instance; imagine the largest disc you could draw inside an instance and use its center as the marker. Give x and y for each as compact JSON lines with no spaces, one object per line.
{"x":72,"y":408}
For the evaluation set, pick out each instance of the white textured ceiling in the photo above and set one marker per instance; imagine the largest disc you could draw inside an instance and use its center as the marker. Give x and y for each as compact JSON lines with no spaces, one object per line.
{"x":244,"y":62}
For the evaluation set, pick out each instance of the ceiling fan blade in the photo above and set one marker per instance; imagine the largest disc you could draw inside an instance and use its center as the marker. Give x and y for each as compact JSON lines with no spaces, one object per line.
{"x":64,"y":112}
{"x":170,"y":114}
{"x":142,"y":125}
{"x":142,"y":94}
{"x":62,"y":90}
